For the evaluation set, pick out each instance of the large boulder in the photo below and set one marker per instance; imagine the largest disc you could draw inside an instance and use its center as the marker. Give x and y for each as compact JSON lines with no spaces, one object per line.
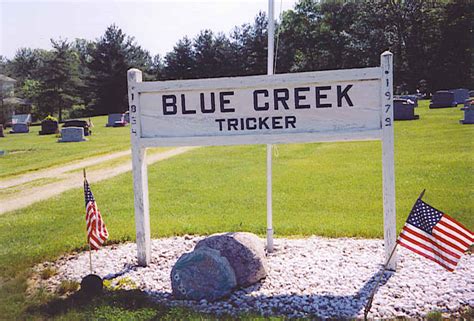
{"x":245,"y":252}
{"x":202,"y":274}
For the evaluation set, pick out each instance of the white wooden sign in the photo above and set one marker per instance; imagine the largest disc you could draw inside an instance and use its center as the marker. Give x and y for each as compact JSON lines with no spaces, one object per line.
{"x":352,"y":104}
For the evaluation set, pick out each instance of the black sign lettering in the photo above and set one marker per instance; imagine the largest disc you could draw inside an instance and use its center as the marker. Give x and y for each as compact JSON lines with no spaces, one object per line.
{"x":266,"y":105}
{"x":183,"y":106}
{"x":299,"y":97}
{"x":320,"y":96}
{"x":169,"y":105}
{"x":223,"y":101}
{"x":248,"y":122}
{"x":220,"y":121}
{"x":263,"y":122}
{"x":343,"y":94}
{"x":276,"y":124}
{"x":290,"y":121}
{"x":203,"y":104}
{"x":281,"y":98}
{"x":232,"y":123}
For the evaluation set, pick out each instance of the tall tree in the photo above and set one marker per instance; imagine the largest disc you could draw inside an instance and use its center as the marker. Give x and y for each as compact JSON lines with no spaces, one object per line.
{"x":111,"y":57}
{"x":60,"y":79}
{"x":180,"y":63}
{"x":250,"y":43}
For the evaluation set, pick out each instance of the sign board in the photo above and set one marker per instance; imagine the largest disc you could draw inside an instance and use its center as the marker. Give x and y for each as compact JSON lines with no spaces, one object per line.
{"x":353,"y":104}
{"x":302,"y":107}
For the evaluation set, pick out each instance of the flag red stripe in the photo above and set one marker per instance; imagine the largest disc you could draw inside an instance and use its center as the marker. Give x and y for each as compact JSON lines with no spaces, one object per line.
{"x":97,"y":233}
{"x":456,"y":229}
{"x":441,"y":239}
{"x":431,"y":241}
{"x":427,"y":248}
{"x":425,"y":255}
{"x":449,"y":218}
{"x":452,"y":236}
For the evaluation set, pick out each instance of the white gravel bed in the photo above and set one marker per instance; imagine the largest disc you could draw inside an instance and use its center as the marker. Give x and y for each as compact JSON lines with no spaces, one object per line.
{"x":327,"y":278}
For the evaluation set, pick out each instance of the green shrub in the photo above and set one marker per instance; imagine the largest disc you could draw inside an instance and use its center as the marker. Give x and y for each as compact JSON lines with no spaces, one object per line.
{"x":48,"y":272}
{"x":49,"y":117}
{"x":434,"y":316}
{"x":68,"y":286}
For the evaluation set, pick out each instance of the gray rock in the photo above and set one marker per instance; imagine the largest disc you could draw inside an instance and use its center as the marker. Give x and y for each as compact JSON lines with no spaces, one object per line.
{"x":245,"y":252}
{"x":202,"y":274}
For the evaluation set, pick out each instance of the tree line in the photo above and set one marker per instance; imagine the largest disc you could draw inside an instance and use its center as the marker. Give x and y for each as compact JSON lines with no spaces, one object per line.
{"x":430,"y":40}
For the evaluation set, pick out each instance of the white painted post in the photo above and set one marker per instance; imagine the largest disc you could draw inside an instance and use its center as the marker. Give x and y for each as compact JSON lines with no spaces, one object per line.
{"x":388,"y":163}
{"x":271,"y":41}
{"x":140,"y":174}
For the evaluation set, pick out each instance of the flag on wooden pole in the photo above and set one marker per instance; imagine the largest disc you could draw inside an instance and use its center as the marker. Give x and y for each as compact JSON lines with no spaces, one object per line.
{"x":96,"y":231}
{"x":435,"y":235}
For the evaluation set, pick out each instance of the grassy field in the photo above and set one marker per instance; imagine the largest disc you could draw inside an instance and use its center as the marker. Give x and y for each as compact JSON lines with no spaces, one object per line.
{"x":330,"y":189}
{"x":30,"y":152}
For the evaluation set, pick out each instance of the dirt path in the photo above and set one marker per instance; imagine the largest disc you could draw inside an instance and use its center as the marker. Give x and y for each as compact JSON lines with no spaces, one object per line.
{"x":30,"y":195}
{"x":58,"y":170}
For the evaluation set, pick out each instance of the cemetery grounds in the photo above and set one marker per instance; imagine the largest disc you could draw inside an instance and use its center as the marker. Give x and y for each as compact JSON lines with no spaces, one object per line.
{"x":326,"y":189}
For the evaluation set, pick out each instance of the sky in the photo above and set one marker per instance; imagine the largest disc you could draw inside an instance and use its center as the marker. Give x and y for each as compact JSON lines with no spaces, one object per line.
{"x":156,"y":25}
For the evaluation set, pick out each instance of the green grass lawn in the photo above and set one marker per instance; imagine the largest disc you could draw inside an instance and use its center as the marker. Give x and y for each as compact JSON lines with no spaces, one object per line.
{"x":330,"y":189}
{"x":30,"y":152}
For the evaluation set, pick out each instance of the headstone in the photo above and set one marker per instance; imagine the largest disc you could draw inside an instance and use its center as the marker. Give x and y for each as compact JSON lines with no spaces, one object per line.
{"x":443,"y":99}
{"x":48,"y":127}
{"x":126,"y":117}
{"x":78,"y":123}
{"x":92,"y":285}
{"x":468,"y":112}
{"x":113,"y":118}
{"x":1,"y":131}
{"x":72,"y":134}
{"x":20,"y":128}
{"x":404,"y":109}
{"x":460,"y":95}
{"x":412,"y":98}
{"x":202,"y":274}
{"x":21,"y":118}
{"x":471,"y":93}
{"x":245,"y":253}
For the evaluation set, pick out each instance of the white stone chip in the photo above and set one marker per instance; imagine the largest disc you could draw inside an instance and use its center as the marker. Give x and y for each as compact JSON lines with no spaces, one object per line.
{"x":312,"y":277}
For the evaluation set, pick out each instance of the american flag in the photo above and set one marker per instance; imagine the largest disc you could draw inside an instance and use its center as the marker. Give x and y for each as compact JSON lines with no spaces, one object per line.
{"x":435,"y":235}
{"x":96,"y":230}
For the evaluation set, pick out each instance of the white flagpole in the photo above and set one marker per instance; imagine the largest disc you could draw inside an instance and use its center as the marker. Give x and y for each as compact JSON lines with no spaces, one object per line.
{"x":271,"y":41}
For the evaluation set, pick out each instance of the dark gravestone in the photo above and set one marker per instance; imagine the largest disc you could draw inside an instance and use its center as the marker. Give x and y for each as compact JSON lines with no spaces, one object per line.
{"x":245,"y":253}
{"x":471,"y":93}
{"x":443,"y":99}
{"x":113,"y":118}
{"x":404,"y":110}
{"x":412,"y":98}
{"x":460,"y":95}
{"x":202,"y":274}
{"x":49,"y":127}
{"x":78,"y":123}
{"x":92,"y":285}
{"x":468,"y":112}
{"x":20,"y":128}
{"x":1,"y":131}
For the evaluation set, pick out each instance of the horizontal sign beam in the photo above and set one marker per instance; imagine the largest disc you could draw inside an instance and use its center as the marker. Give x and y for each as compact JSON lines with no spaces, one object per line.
{"x":285,"y":108}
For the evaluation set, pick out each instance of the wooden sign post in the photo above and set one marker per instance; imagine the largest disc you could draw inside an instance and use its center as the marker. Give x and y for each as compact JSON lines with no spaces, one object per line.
{"x":339,"y":105}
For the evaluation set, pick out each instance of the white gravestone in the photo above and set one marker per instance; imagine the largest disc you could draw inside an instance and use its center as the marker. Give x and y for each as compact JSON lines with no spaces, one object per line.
{"x":72,"y":134}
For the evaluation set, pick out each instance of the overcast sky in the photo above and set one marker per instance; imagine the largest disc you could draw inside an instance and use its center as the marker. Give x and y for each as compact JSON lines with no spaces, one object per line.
{"x":155,"y":24}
